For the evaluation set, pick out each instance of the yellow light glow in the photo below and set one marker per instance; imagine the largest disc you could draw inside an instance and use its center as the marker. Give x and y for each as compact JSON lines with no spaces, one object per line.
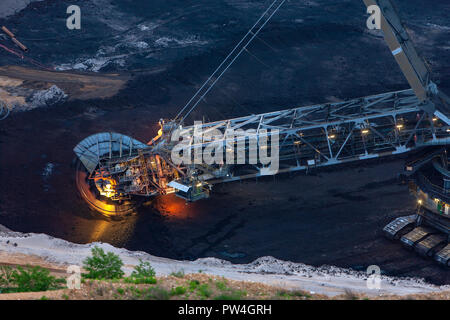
{"x":435,"y":119}
{"x":399,"y":126}
{"x":419,"y":201}
{"x":332,"y":136}
{"x":365,"y":131}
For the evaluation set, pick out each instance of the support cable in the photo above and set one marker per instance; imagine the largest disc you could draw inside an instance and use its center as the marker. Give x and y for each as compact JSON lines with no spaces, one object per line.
{"x":231,"y":58}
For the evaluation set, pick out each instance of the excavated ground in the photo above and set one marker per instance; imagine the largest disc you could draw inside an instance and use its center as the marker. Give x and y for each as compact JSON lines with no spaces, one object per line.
{"x":312,"y":52}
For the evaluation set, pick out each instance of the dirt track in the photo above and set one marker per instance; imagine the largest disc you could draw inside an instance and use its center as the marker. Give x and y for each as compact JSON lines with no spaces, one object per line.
{"x":18,"y":84}
{"x":77,"y":85}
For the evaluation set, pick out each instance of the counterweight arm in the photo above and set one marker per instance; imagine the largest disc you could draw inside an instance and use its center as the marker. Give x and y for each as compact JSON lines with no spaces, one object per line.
{"x":402,"y":49}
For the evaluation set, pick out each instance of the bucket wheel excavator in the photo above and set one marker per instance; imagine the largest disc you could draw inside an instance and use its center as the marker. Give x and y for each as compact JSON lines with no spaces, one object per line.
{"x":114,"y":170}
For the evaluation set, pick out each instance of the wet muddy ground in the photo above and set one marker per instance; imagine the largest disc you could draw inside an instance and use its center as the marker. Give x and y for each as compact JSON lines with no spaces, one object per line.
{"x":327,"y":217}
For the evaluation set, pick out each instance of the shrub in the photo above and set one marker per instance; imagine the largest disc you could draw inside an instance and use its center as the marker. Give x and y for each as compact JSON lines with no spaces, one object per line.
{"x":143,"y":274}
{"x":140,"y":280}
{"x":103,"y":265}
{"x":234,"y":295}
{"x":143,"y":270}
{"x":135,"y":292}
{"x":204,"y":290}
{"x":193,"y":284}
{"x":293,"y":293}
{"x":158,"y":293}
{"x":178,"y":291}
{"x":221,"y":285}
{"x":178,"y":274}
{"x":33,"y":279}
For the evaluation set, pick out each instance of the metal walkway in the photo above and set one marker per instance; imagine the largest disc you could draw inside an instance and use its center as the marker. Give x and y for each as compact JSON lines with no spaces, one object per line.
{"x":332,"y":133}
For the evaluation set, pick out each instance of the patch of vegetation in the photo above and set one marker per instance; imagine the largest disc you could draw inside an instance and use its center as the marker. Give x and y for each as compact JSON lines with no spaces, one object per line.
{"x":288,"y":294}
{"x":26,"y":279}
{"x":228,"y":293}
{"x":121,"y":291}
{"x":221,"y":285}
{"x":135,"y":292}
{"x":178,"y":274}
{"x":204,"y":290}
{"x":143,"y":270}
{"x":193,"y":284}
{"x":103,"y":265}
{"x":157,"y":293}
{"x":143,"y":274}
{"x":6,"y":280}
{"x":178,"y":291}
{"x":140,"y":280}
{"x":233,"y":295}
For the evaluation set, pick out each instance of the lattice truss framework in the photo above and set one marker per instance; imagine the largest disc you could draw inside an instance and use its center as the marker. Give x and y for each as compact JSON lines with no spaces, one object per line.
{"x":313,"y":136}
{"x":333,"y":133}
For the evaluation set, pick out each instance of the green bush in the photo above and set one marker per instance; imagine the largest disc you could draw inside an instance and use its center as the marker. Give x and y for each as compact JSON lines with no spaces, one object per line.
{"x":143,"y":274}
{"x":235,"y":295}
{"x":143,"y":270}
{"x":292,"y":294}
{"x":33,"y":279}
{"x":204,"y":290}
{"x":221,"y":285}
{"x":103,"y":265}
{"x":140,"y":280}
{"x":178,"y":291}
{"x":193,"y":284}
{"x":121,"y":291}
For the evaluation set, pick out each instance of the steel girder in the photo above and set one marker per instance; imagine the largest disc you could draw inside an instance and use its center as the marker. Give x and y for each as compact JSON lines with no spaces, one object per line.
{"x":312,"y":136}
{"x":324,"y":134}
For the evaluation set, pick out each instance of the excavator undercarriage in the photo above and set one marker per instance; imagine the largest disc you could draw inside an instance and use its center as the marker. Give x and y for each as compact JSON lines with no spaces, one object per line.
{"x":428,"y":230}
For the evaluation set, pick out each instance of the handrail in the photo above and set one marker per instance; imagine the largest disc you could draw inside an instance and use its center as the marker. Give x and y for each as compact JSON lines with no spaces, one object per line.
{"x":424,"y":183}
